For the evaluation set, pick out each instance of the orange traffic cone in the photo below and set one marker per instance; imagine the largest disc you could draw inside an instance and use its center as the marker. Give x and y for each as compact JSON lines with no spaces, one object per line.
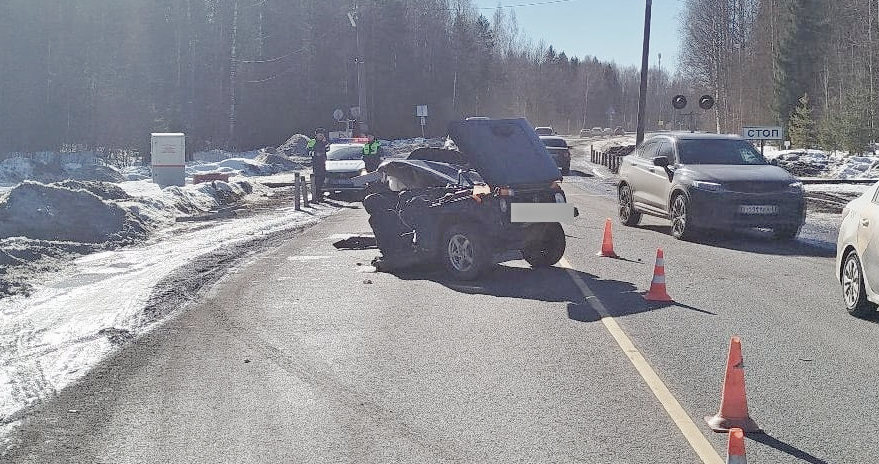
{"x":735,"y":450}
{"x":733,"y":400}
{"x":607,"y":243}
{"x":657,"y":286}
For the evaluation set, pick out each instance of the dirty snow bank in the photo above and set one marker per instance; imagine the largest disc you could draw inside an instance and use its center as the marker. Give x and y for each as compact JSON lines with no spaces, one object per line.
{"x":103,"y":300}
{"x":54,"y":167}
{"x":44,"y":225}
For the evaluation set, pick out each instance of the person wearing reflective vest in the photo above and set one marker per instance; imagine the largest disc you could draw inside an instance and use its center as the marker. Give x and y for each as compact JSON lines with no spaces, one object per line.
{"x":372,"y":153}
{"x":318,"y":147}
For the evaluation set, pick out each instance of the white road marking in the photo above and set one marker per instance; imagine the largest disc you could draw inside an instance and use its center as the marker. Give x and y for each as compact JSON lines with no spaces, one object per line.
{"x":673,"y":408}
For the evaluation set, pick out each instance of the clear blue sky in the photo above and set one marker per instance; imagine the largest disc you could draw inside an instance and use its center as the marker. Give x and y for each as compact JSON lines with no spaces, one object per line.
{"x":610,"y":30}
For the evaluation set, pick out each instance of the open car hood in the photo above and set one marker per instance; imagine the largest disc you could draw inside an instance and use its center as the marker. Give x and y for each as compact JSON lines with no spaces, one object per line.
{"x":504,"y":151}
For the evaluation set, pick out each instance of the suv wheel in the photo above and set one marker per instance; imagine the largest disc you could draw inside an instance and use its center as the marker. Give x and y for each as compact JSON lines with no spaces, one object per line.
{"x":681,"y":227}
{"x":628,"y":215}
{"x":548,"y":249}
{"x":464,"y":254}
{"x":853,"y":290}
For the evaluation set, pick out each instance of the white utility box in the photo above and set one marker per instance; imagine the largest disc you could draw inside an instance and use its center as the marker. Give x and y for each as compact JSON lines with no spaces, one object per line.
{"x":169,"y":159}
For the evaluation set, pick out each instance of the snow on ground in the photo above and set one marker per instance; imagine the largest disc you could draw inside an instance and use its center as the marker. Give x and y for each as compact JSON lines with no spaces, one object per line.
{"x":105,"y":299}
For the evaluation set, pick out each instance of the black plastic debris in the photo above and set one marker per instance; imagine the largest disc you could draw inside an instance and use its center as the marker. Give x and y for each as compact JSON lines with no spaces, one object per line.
{"x":357,"y":242}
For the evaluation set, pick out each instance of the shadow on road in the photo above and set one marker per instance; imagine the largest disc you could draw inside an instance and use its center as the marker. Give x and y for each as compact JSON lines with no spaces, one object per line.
{"x":785,"y":448}
{"x":553,"y":285}
{"x":754,"y":241}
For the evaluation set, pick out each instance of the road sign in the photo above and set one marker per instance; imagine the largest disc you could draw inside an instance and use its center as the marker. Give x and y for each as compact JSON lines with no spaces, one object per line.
{"x":355,"y":112}
{"x":421,"y":111}
{"x":679,"y":102}
{"x":706,"y":102}
{"x":338,"y":115}
{"x":763,"y":133}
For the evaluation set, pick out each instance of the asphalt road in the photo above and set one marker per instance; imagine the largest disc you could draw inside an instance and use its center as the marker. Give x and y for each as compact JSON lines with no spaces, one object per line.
{"x":304,"y":354}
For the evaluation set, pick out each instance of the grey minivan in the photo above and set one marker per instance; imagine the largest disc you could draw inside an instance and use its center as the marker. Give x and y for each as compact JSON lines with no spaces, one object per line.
{"x":708,"y":181}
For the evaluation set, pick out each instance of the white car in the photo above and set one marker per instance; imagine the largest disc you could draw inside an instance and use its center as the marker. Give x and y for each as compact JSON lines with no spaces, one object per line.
{"x":344,"y":162}
{"x":857,"y":253}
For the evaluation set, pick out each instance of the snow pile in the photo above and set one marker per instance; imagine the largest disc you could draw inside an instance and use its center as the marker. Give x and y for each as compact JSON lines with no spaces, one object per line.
{"x":66,"y":212}
{"x":857,"y":167}
{"x":43,"y":224}
{"x":295,"y":146}
{"x":253,"y":163}
{"x":403,"y":147}
{"x":53,"y":167}
{"x":137,"y":173}
{"x":802,"y":163}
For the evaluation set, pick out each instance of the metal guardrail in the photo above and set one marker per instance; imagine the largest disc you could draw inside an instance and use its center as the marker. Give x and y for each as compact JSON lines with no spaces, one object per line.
{"x":611,"y":158}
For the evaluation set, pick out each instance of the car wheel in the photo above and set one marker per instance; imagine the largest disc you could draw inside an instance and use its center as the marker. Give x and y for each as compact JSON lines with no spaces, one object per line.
{"x":547,"y":250}
{"x":464,"y":254}
{"x":628,"y":215}
{"x":785,"y":232}
{"x":681,"y":227}
{"x":853,"y":290}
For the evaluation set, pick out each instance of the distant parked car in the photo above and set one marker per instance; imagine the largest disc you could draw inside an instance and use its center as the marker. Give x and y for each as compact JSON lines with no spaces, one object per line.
{"x":607,"y":131}
{"x":619,"y":131}
{"x":709,"y":181}
{"x":541,"y":131}
{"x":857,"y":254}
{"x":596,"y":131}
{"x":585,"y":132}
{"x":560,"y":151}
{"x":344,"y":162}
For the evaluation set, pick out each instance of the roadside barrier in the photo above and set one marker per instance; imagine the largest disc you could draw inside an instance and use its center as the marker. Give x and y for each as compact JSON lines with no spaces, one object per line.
{"x":607,"y":242}
{"x":735,"y":449}
{"x":733,"y":400}
{"x":612,"y":158}
{"x":657,"y":286}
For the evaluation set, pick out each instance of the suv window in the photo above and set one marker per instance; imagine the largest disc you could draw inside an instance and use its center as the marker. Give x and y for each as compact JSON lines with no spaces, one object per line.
{"x":649,"y":150}
{"x":668,"y":150}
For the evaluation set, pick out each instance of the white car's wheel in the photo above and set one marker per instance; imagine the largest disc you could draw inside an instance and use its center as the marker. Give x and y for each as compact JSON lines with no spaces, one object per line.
{"x":853,"y":290}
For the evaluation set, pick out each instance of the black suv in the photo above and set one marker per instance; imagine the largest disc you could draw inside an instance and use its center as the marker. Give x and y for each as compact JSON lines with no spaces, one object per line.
{"x":708,"y":181}
{"x":498,"y":192}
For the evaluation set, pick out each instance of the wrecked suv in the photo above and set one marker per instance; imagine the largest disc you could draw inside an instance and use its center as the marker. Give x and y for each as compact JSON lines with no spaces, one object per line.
{"x":462,"y":209}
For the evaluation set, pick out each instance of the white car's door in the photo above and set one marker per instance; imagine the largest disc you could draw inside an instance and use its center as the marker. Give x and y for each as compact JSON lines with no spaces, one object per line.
{"x":868,"y":240}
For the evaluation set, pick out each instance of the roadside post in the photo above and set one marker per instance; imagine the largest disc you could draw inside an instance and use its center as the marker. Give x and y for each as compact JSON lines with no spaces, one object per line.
{"x":304,"y":192}
{"x":314,"y":193}
{"x":421,"y":114}
{"x":763,"y":133}
{"x":297,"y":186}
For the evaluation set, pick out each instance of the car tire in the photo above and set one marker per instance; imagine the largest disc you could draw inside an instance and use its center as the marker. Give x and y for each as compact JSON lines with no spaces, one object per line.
{"x":785,"y":232}
{"x":548,"y":249}
{"x":679,"y":214}
{"x":854,"y":292}
{"x":628,"y":215}
{"x":464,"y":253}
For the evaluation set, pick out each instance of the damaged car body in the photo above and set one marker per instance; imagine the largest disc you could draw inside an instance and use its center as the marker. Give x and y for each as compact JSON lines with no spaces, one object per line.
{"x":498,"y":192}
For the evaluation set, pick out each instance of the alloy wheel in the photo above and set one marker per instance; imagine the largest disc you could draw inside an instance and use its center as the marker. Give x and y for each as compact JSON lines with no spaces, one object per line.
{"x":461,"y":253}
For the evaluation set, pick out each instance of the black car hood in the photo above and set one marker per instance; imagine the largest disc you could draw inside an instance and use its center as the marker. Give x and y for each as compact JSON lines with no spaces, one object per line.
{"x":738,"y":173}
{"x":504,"y":151}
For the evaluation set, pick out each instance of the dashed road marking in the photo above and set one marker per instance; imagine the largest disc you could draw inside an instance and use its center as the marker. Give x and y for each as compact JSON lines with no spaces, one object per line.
{"x":682,"y":420}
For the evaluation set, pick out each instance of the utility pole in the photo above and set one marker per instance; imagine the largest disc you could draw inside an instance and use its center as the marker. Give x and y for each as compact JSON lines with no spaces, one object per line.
{"x":645,"y":62}
{"x":354,"y":17}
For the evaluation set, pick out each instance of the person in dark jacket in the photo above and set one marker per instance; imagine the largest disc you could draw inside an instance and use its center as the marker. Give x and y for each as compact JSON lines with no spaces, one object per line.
{"x":318,"y":147}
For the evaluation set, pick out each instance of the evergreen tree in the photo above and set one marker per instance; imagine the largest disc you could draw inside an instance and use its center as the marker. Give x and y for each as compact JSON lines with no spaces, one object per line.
{"x":798,"y":55}
{"x":802,"y":126}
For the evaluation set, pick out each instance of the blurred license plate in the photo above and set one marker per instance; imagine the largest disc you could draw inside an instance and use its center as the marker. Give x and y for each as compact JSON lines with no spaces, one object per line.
{"x":542,"y":212}
{"x":758,"y":209}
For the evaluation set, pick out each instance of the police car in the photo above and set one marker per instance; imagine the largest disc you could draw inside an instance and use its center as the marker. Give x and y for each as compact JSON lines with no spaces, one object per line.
{"x":344,"y":162}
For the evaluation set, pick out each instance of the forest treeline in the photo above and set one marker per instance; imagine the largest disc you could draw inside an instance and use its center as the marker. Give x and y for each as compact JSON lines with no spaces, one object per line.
{"x":241,"y":74}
